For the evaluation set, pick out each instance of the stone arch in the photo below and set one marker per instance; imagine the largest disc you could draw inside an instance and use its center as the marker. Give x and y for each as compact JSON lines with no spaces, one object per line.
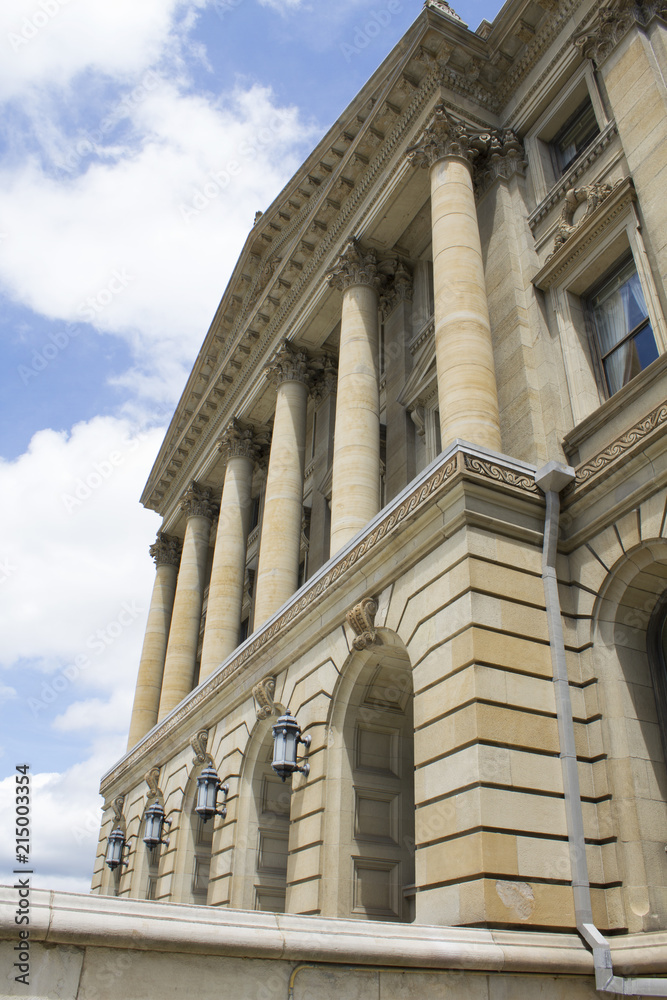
{"x":261,"y":847}
{"x":192,"y":872}
{"x":632,"y":741}
{"x":369,"y":827}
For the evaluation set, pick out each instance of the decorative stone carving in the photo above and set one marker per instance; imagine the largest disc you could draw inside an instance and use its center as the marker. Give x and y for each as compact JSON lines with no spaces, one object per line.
{"x":503,"y":159}
{"x":117,"y":806}
{"x":238,"y":441}
{"x":446,"y":135}
{"x":443,"y":8}
{"x":198,"y":743}
{"x":151,"y":778}
{"x":593,"y":195}
{"x":398,"y":289}
{"x":362,"y":621}
{"x":289,"y":365}
{"x":355,"y":266}
{"x":501,"y":474}
{"x":198,"y":502}
{"x":263,"y":693}
{"x":610,"y":457}
{"x":326,"y":381}
{"x":166,"y":550}
{"x":612,"y":22}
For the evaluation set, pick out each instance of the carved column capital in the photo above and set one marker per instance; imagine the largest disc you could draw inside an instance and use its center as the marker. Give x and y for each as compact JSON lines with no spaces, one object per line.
{"x":443,"y":8}
{"x":355,"y":266}
{"x":397,"y":289}
{"x":326,"y":380}
{"x":503,"y":158}
{"x":289,"y":365}
{"x":611,"y":24}
{"x":361,"y":618}
{"x":238,"y":441}
{"x":198,"y":502}
{"x":444,"y":136}
{"x":166,"y":550}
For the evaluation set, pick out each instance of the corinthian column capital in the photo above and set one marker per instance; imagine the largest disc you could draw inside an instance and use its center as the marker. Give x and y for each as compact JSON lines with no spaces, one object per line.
{"x":447,"y":136}
{"x":355,"y":266}
{"x":166,"y":550}
{"x":289,"y":365}
{"x":238,"y":441}
{"x":198,"y":502}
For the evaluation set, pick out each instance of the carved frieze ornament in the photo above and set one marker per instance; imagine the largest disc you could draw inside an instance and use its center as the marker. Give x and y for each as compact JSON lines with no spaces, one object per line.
{"x":198,"y":743}
{"x":238,"y":441}
{"x":289,"y":364}
{"x":355,"y":266}
{"x":263,"y":693}
{"x":361,"y":619}
{"x":611,"y":24}
{"x":166,"y":550}
{"x":592,"y":195}
{"x":151,"y":778}
{"x":198,"y":502}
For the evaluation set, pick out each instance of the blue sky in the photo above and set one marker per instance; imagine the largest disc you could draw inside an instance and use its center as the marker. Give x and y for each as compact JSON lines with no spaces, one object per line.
{"x":114,"y":117}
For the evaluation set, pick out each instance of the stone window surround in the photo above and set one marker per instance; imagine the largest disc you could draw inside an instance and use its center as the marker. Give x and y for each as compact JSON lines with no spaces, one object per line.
{"x":610,"y":233}
{"x":537,"y":140}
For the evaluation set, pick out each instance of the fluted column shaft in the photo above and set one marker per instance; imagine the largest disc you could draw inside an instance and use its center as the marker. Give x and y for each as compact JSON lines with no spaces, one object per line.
{"x":225,"y":593}
{"x":166,"y":552}
{"x":181,"y":656}
{"x":467,"y":391}
{"x":355,"y":490}
{"x":280,"y":541}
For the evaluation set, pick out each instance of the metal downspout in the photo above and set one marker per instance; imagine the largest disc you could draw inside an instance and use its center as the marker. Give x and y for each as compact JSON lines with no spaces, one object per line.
{"x":551,"y":479}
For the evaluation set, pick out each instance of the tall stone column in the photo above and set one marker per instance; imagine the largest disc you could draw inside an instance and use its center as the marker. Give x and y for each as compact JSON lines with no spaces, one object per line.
{"x":167,"y":554}
{"x":464,"y":353}
{"x":355,"y":491}
{"x":280,"y":540}
{"x":225,"y":592}
{"x":181,"y":656}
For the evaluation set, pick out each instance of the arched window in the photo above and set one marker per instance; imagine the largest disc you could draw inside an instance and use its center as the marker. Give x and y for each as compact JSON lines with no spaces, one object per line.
{"x":377,"y":824}
{"x":272,"y":803}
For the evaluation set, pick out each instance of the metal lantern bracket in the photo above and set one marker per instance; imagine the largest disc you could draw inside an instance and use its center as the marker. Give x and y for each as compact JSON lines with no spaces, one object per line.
{"x":208,"y":786}
{"x":157,"y":817}
{"x":286,"y":738}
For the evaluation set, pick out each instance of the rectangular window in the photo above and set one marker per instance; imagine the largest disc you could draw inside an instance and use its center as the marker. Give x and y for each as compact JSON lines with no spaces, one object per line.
{"x":622,"y":329}
{"x":576,"y":134}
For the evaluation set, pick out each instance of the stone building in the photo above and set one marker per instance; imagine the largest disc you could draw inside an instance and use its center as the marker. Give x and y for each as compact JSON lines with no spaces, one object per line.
{"x":415,"y":492}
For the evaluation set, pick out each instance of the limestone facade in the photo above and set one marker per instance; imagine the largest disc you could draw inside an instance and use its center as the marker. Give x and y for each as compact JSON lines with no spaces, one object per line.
{"x":464,"y":282}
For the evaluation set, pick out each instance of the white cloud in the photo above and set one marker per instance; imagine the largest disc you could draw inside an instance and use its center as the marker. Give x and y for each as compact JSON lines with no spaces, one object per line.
{"x":78,"y":548}
{"x":138,"y":245}
{"x":65,"y":821}
{"x":51,"y":41}
{"x":7,"y":694}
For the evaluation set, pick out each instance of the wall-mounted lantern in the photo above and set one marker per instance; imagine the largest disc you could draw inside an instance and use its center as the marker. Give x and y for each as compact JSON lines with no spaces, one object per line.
{"x":154,"y":822}
{"x":208,"y":786}
{"x":286,"y":738}
{"x":116,"y":844}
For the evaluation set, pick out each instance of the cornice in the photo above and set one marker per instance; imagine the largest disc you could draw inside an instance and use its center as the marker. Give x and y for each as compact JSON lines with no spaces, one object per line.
{"x":459,"y":461}
{"x":586,"y":235}
{"x":609,"y":459}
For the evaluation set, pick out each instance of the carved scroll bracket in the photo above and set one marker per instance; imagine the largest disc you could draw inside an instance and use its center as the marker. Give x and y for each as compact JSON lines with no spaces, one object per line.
{"x":198,"y":742}
{"x":263,"y":695}
{"x":361,"y":619}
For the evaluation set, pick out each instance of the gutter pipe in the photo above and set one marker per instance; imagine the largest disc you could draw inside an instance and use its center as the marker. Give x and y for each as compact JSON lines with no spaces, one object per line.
{"x":551,"y":479}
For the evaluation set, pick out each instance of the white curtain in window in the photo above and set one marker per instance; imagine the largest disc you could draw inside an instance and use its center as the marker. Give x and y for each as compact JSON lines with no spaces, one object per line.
{"x":611,"y":325}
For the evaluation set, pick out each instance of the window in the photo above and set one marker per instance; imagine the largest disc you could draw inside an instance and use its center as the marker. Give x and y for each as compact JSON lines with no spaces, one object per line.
{"x":622,"y":329}
{"x":575,"y":135}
